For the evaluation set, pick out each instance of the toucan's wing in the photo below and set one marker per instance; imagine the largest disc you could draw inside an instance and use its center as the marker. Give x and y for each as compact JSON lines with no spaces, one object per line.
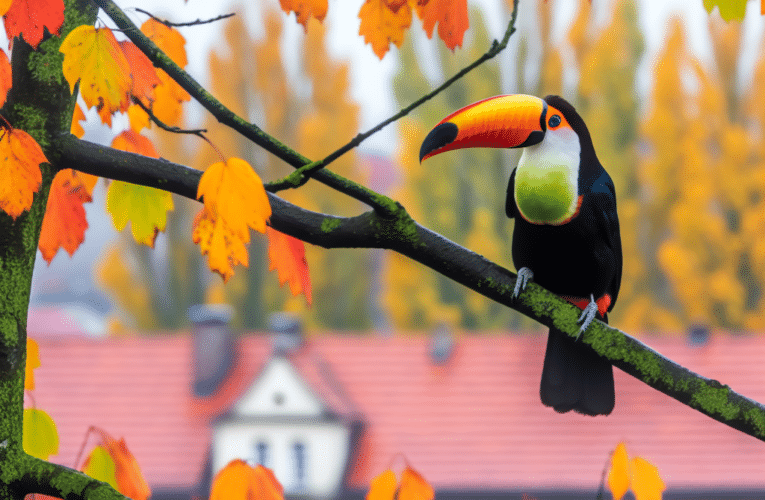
{"x":511,"y":209}
{"x":604,"y":198}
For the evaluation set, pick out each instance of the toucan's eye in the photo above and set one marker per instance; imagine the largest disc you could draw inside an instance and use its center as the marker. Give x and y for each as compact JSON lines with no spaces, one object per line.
{"x":554,"y":121}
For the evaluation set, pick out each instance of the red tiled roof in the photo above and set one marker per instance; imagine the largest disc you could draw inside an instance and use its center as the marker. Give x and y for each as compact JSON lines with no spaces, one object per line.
{"x":474,"y":422}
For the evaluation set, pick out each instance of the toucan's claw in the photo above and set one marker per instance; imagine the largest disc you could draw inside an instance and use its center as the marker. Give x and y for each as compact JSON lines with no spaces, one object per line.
{"x":524,"y":276}
{"x":588,"y":314}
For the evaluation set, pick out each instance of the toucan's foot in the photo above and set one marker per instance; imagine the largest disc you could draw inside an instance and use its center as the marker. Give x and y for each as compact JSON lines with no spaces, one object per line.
{"x":524,"y":276}
{"x":588,"y":314}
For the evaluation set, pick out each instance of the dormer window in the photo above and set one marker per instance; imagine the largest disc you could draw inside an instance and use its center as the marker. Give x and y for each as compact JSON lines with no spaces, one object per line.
{"x":261,"y":453}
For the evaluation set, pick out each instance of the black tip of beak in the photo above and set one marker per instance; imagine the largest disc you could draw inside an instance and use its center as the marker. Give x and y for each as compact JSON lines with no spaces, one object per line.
{"x":439,"y":137}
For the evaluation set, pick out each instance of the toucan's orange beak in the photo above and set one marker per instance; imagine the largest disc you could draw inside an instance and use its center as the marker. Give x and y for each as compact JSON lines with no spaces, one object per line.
{"x":505,"y":121}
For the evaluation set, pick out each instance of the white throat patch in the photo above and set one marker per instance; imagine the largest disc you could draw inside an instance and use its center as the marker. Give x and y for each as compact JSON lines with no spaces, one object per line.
{"x":547,"y":179}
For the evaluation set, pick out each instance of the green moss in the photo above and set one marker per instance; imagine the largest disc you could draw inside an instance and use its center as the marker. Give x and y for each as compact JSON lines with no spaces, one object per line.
{"x":33,"y":121}
{"x":329,"y":224}
{"x":46,"y":63}
{"x":714,"y":400}
{"x":757,"y":419}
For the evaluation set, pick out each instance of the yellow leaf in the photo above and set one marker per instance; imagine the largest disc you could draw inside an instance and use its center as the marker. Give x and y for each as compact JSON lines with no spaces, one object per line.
{"x":287,"y":255}
{"x":100,"y":465}
{"x":646,"y":481}
{"x":414,"y":486}
{"x":145,"y":207}
{"x":20,"y":159}
{"x":93,"y":57}
{"x":40,"y":438}
{"x":383,"y":487}
{"x":235,"y":201}
{"x":33,"y":361}
{"x":618,"y":474}
{"x":224,"y":248}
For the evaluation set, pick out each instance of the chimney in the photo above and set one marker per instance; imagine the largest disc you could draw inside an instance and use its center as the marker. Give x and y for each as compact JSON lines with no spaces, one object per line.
{"x":213,"y":354}
{"x":441,"y":344}
{"x":287,"y":333}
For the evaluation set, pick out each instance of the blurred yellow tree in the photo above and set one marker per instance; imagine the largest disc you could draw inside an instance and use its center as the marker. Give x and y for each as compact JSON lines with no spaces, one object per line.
{"x":703,"y":182}
{"x":459,"y":195}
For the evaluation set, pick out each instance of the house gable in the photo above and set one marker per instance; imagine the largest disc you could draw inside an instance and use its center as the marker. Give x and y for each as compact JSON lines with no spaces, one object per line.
{"x":279,"y":391}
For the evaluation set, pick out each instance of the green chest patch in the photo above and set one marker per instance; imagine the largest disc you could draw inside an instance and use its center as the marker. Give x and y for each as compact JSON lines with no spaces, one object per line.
{"x":546,"y":196}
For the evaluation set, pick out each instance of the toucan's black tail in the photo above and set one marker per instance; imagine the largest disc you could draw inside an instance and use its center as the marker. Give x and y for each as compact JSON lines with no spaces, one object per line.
{"x":574,"y":377}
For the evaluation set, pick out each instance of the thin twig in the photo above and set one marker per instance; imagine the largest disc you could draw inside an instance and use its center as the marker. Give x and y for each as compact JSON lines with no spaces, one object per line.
{"x":382,"y":204}
{"x":190,"y":23}
{"x":303,"y":174}
{"x":169,"y":128}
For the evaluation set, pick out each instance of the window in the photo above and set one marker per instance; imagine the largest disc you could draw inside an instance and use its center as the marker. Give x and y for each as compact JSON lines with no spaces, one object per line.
{"x":299,"y":464}
{"x":261,"y":453}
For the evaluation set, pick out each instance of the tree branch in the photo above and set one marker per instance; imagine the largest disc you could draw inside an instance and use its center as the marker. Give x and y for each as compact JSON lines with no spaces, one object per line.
{"x":224,"y":115}
{"x":190,"y":23}
{"x":405,"y":236}
{"x":304,"y":173}
{"x":199,"y":132}
{"x":39,"y":476}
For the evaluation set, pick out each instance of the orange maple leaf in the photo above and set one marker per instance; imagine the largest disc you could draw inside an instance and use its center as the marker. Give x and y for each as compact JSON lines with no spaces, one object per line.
{"x":93,"y":57}
{"x":287,"y":255}
{"x":305,"y":10}
{"x":4,"y":6}
{"x":77,"y":117}
{"x":383,"y":487}
{"x":29,"y":18}
{"x":412,"y":487}
{"x":637,"y":474}
{"x":6,"y":77}
{"x":130,"y":480}
{"x":20,"y":159}
{"x":452,"y":19}
{"x":168,"y":95}
{"x":65,"y":221}
{"x":239,"y":480}
{"x":384,"y":22}
{"x":144,"y":76}
{"x":235,"y":201}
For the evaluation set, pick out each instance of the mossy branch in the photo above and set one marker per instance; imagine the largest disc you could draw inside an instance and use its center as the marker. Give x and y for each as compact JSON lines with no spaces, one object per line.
{"x":224,"y":115}
{"x":398,"y":232}
{"x":39,"y":476}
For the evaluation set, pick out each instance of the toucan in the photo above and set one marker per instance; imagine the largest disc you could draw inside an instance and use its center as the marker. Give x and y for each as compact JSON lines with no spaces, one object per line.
{"x":566,"y":236}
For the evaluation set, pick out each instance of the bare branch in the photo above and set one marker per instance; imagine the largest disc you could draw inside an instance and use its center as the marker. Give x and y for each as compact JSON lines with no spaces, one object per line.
{"x":400,"y":233}
{"x":190,"y":23}
{"x":169,"y":128}
{"x":303,"y":174}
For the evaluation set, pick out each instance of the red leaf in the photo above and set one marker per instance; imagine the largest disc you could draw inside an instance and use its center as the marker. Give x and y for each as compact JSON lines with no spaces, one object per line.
{"x":65,"y":223}
{"x":287,"y":255}
{"x":144,"y":75}
{"x":6,"y":80}
{"x":452,"y":19}
{"x":29,"y":18}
